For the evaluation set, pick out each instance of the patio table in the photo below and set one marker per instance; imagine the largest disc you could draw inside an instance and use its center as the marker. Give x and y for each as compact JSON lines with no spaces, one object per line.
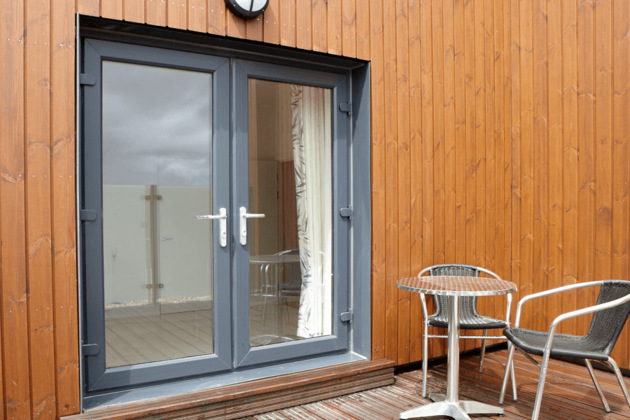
{"x":453,"y":287}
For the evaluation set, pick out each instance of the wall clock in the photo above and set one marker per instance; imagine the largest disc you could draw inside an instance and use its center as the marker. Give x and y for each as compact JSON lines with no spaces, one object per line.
{"x":247,"y":9}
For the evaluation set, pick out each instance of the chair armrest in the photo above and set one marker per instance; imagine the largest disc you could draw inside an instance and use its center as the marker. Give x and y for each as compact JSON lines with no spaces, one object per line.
{"x":581,"y":312}
{"x":549,"y":292}
{"x":425,"y":312}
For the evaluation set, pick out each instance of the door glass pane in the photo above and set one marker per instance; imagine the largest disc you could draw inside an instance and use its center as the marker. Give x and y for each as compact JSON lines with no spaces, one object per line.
{"x":290,"y":175}
{"x":157,"y":256}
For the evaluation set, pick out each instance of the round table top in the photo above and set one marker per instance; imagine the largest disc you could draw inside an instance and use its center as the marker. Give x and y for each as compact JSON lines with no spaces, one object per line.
{"x":457,"y":285}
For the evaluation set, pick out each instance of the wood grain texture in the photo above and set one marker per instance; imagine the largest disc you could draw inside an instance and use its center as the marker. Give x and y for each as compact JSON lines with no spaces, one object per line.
{"x":379,"y":201}
{"x":38,"y":210}
{"x":134,"y":11}
{"x":500,"y":136}
{"x":63,"y":170}
{"x":14,"y":287}
{"x":216,"y":17}
{"x":403,"y":182}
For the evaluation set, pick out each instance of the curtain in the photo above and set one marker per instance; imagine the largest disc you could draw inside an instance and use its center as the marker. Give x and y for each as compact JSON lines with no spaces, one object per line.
{"x":311,"y":139}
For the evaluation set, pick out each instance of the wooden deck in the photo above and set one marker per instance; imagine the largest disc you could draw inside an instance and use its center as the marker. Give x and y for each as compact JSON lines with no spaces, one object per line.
{"x":569,"y":393}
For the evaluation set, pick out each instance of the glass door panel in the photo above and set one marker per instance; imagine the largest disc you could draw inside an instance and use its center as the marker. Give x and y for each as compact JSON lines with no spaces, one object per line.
{"x":157,"y":257}
{"x":290,"y":182}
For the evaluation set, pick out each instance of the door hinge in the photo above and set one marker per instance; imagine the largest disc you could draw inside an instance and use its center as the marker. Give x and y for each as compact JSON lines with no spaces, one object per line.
{"x":346,"y":212}
{"x":346,"y":316}
{"x":345,"y":107}
{"x":88,"y":215}
{"x":87,"y":79}
{"x":90,"y":349}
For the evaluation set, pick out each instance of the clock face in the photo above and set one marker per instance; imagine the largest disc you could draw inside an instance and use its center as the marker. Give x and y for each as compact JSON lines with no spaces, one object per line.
{"x":247,"y":9}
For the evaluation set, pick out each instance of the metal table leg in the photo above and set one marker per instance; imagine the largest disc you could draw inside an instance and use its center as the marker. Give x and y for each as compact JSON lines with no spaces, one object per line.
{"x":449,"y":404}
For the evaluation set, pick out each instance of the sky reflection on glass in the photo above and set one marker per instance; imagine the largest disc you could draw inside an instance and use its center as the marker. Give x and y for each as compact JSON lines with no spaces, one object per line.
{"x":156,"y":125}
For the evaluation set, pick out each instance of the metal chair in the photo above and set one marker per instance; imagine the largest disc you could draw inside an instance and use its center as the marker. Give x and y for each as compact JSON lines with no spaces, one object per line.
{"x":470,"y":319}
{"x":609,"y":317}
{"x":286,"y":282}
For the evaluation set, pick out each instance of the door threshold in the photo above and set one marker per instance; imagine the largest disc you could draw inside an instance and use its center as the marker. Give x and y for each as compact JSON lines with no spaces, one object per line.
{"x":247,"y":397}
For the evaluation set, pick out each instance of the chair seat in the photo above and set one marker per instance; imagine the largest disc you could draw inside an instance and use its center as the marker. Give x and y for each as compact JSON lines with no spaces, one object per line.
{"x":470,"y":322}
{"x":564,"y":345}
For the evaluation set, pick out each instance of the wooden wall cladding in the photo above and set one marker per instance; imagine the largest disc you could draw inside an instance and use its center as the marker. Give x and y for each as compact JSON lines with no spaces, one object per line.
{"x":500,"y":137}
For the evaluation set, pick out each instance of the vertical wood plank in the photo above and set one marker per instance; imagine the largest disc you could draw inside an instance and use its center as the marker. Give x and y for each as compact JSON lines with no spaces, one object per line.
{"x":217,"y":19}
{"x":272,"y":22}
{"x":403,"y":182}
{"x":515,"y":140}
{"x":287,"y":19}
{"x":540,"y":155}
{"x":38,"y":210}
{"x":133,"y":10}
{"x":555,"y":144}
{"x":363,"y":28}
{"x":112,"y":9}
{"x":156,"y":12}
{"x":570,"y":184}
{"x":255,"y":28}
{"x":13,"y":288}
{"x":304,"y":10}
{"x":586,"y":134}
{"x":197,"y":15}
{"x":64,"y":209}
{"x":12,"y":268}
{"x":603,"y":139}
{"x":471,"y":174}
{"x":490,"y":306}
{"x":490,"y":217}
{"x":235,"y":25}
{"x":450,"y":222}
{"x":415,"y":152}
{"x":89,"y":7}
{"x":176,"y":14}
{"x":459,"y":35}
{"x":621,"y":151}
{"x":437,"y":60}
{"x":320,"y":21}
{"x":391,"y":177}
{"x":349,"y":28}
{"x":504,"y":171}
{"x":333,"y":10}
{"x":480,"y":133}
{"x":525,"y":237}
{"x":379,"y":274}
{"x":426,"y":71}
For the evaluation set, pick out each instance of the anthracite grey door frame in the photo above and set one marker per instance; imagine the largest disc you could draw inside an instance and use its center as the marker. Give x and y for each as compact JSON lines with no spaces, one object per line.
{"x":97,"y":377}
{"x":229,"y":151}
{"x":243,"y":70}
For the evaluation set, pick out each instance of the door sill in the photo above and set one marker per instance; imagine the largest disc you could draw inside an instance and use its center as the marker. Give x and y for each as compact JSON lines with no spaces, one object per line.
{"x":258,"y":396}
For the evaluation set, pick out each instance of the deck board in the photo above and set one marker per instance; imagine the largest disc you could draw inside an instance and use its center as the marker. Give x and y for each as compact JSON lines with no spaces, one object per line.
{"x":569,"y":393}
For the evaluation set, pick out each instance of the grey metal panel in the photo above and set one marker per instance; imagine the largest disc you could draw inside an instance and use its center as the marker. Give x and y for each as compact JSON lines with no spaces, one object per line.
{"x":98,"y":377}
{"x":362,"y":213}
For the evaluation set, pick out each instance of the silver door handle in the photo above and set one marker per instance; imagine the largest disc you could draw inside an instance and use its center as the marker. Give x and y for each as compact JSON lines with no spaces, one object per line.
{"x":222,"y":217}
{"x":243,"y":225}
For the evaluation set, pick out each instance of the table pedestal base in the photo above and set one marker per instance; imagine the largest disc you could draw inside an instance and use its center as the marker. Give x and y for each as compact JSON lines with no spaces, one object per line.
{"x":456,"y":409}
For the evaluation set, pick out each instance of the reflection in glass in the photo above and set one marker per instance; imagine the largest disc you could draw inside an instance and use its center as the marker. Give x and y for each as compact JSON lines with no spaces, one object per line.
{"x":156,"y":177}
{"x":290,"y":173}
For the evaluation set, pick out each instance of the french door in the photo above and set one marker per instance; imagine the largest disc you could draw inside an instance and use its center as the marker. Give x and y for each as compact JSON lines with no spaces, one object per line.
{"x":210,"y":239}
